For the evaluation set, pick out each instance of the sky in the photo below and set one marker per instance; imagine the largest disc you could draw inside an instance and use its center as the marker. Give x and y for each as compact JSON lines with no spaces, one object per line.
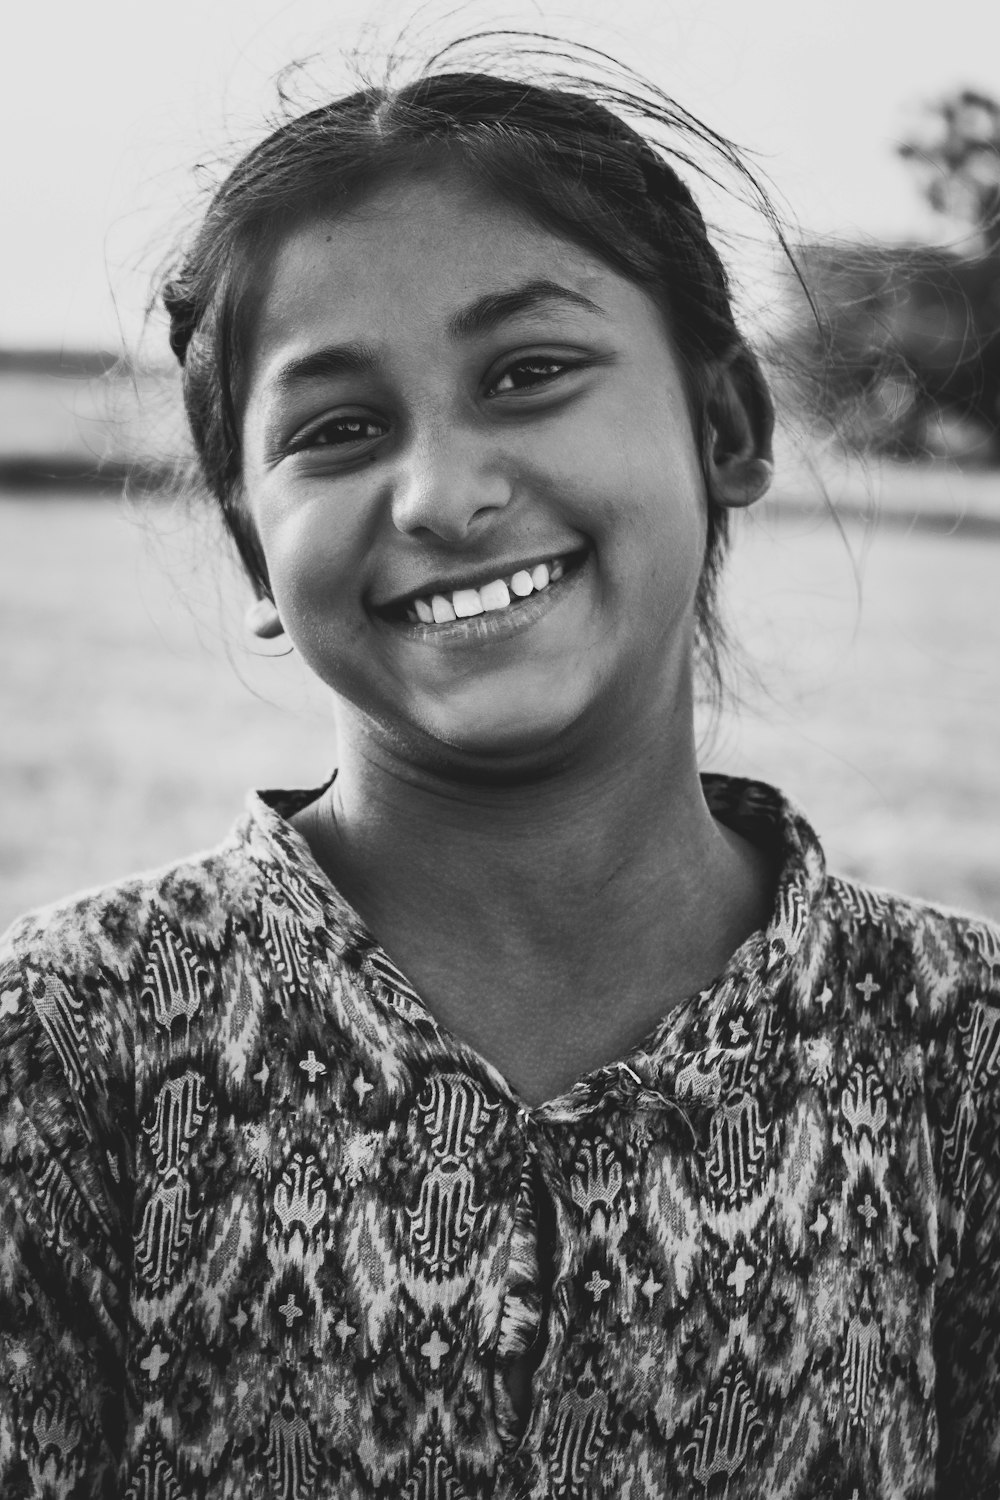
{"x":106,"y":108}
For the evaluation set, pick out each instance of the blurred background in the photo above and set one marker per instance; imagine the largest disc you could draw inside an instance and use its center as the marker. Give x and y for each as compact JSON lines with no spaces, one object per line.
{"x":863,"y":595}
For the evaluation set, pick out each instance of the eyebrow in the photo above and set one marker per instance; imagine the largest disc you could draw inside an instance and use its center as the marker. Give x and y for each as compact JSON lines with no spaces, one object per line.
{"x":488,"y":311}
{"x":481,"y":316}
{"x":325,"y":364}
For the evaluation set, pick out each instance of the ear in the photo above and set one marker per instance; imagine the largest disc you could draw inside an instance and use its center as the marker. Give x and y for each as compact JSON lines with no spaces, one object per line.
{"x":738,"y":430}
{"x":262,"y":619}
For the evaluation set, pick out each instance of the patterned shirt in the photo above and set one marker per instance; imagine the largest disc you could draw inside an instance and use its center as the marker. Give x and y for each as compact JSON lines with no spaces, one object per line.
{"x":268,"y":1230}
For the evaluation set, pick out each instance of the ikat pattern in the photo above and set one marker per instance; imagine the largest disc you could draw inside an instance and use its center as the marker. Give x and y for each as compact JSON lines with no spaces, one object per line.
{"x":267,"y":1231}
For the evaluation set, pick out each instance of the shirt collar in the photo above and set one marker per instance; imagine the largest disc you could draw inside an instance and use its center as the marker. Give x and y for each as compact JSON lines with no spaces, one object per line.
{"x":709,"y":1024}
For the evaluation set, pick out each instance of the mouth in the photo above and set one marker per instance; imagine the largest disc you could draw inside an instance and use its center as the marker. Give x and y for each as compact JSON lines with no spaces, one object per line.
{"x":504,"y":594}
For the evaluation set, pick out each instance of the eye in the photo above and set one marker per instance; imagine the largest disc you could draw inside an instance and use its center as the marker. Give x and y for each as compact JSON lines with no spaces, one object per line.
{"x":526,"y":374}
{"x":337,"y":432}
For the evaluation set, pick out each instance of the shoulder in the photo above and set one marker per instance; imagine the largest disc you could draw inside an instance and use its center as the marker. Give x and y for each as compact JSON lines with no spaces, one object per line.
{"x":101,"y":929}
{"x":72,"y":973}
{"x":96,"y":937}
{"x":96,"y":978}
{"x":916,"y":985}
{"x":78,"y":979}
{"x":946,"y":958}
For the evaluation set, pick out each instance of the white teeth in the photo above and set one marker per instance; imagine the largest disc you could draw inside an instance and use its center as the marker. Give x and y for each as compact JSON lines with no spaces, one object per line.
{"x":463,"y":603}
{"x":495,"y":595}
{"x":467,"y":602}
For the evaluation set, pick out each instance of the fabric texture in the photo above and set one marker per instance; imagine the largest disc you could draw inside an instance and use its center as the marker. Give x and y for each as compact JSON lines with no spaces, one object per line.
{"x":267,"y":1230}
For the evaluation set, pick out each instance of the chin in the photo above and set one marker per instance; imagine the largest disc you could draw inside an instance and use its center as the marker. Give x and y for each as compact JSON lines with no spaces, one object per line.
{"x":494,"y":744}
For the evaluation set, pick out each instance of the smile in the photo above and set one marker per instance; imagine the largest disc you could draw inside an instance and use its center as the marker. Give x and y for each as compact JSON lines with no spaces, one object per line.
{"x":499,"y":595}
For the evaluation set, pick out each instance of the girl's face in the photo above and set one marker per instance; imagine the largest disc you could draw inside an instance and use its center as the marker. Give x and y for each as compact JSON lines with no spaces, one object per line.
{"x":470,"y":461}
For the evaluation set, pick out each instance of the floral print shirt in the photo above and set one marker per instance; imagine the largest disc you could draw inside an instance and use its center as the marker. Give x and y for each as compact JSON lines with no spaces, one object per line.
{"x":268,"y":1230}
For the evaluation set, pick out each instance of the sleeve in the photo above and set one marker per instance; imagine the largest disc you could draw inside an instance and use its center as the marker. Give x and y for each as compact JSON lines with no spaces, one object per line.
{"x":63,"y":1223}
{"x":967,"y":1302}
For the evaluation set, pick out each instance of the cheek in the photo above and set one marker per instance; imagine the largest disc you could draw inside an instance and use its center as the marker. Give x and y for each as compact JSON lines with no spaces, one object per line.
{"x":314,"y":552}
{"x":656,"y":513}
{"x":645,"y":442}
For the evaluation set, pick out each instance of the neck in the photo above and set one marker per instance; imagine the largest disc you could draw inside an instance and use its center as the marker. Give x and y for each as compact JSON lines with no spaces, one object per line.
{"x":529,"y":859}
{"x":605,"y":890}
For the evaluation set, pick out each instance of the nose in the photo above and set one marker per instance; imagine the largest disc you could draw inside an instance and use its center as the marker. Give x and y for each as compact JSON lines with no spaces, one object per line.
{"x":448,"y":486}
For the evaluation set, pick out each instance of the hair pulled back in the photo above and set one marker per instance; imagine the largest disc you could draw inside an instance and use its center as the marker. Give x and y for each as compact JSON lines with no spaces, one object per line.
{"x":563,"y":154}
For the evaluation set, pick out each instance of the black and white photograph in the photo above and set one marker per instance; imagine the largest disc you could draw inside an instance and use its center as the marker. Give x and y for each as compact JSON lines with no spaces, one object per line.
{"x":500,"y":751}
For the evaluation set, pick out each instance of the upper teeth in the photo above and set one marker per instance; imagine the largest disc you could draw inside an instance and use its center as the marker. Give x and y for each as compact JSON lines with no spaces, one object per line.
{"x":461,"y":603}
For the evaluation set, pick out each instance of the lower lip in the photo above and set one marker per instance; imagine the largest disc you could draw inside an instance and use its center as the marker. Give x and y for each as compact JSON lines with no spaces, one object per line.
{"x":492,"y":624}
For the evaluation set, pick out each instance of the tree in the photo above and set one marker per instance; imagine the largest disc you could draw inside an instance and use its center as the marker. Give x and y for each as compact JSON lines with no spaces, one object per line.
{"x":907,"y":334}
{"x":906,"y":347}
{"x":955,"y":148}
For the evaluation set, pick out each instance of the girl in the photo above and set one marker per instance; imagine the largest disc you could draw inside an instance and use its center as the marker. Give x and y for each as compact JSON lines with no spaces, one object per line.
{"x":520,"y":1114}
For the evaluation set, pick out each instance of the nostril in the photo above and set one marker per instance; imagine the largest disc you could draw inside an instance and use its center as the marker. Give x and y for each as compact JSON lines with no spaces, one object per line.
{"x":448,"y":502}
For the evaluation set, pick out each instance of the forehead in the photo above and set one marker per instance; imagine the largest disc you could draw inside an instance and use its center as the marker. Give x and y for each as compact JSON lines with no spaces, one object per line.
{"x":416,"y":251}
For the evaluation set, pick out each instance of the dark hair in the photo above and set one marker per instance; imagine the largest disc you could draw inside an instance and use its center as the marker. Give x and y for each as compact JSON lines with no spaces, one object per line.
{"x":564,"y":154}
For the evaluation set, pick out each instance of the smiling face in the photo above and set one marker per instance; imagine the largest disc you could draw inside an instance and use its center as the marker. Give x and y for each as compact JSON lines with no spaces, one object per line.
{"x":470,"y":461}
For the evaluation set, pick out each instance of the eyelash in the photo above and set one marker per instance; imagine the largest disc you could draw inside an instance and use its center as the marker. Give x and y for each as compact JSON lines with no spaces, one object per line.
{"x":314,"y":438}
{"x":560,"y":366}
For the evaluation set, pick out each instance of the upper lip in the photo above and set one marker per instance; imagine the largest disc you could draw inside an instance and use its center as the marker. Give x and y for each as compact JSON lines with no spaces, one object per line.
{"x":473,"y":579}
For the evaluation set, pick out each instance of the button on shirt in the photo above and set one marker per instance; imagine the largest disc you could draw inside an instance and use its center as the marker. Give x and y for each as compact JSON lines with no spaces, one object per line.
{"x":267,"y":1230}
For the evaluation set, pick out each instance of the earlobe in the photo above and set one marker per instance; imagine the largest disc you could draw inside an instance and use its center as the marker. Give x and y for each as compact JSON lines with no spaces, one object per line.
{"x":738,"y":430}
{"x":262,"y":620}
{"x":738,"y":482}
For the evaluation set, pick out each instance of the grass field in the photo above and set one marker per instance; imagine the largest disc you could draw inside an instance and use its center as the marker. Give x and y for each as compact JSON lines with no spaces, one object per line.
{"x":134,"y":716}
